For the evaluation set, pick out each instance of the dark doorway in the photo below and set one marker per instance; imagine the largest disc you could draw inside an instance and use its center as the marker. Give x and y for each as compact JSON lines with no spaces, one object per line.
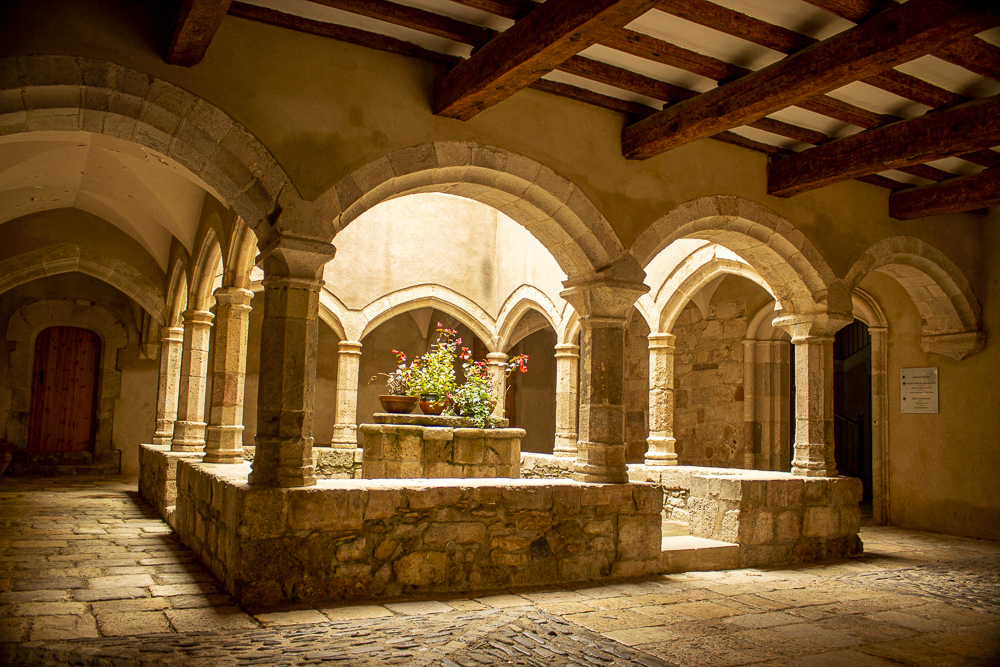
{"x":852,"y":404}
{"x":64,"y":390}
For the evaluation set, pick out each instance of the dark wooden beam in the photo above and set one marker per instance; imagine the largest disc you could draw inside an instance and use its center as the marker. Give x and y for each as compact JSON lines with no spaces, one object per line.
{"x":632,"y":109}
{"x":522,"y":54}
{"x":364,"y":38}
{"x":964,"y":193}
{"x":643,"y":46}
{"x":895,"y":36}
{"x":610,"y":75}
{"x":195,"y":26}
{"x":961,"y":129}
{"x":509,"y":9}
{"x":416,"y":19}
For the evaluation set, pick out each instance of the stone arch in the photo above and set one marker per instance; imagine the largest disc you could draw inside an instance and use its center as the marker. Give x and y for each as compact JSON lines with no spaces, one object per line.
{"x":333,"y":313}
{"x":552,"y":208}
{"x":177,"y":292}
{"x":85,"y":94}
{"x":760,"y":327}
{"x":569,"y":332}
{"x":241,"y":256}
{"x":797,"y":275}
{"x":207,"y":263}
{"x":22,"y":330}
{"x":447,"y":301}
{"x":67,"y":257}
{"x":521,"y":300}
{"x":939,"y":290}
{"x":697,"y":270}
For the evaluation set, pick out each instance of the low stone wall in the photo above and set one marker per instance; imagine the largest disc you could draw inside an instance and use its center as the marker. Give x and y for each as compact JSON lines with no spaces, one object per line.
{"x":546,"y":466}
{"x":413,"y":451}
{"x":328,"y":462}
{"x":158,"y":477}
{"x":777,"y":517}
{"x":676,"y":483}
{"x":362,"y":538}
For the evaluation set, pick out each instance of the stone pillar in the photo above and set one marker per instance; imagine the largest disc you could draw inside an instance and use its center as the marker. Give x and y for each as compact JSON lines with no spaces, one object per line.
{"x":345,"y":428}
{"x":880,"y":430}
{"x":189,"y":429}
{"x":289,"y":339}
{"x":812,"y":334}
{"x":661,"y":441}
{"x":171,"y":350}
{"x":224,"y":438}
{"x":603,"y":305}
{"x":496,"y":362}
{"x":567,"y":400}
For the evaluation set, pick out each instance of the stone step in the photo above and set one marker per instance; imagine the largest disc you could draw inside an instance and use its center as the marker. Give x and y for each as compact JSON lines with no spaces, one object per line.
{"x":685,"y":553}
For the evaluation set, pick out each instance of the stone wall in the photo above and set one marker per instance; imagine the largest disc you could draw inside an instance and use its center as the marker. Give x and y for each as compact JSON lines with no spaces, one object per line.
{"x":328,"y":463}
{"x":364,"y":538}
{"x":708,"y":386}
{"x":778,"y":518}
{"x":676,"y":484}
{"x":158,"y":477}
{"x":546,"y":466}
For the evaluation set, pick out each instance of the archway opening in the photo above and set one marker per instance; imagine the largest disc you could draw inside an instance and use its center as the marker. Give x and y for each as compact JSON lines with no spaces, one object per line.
{"x":852,"y":406}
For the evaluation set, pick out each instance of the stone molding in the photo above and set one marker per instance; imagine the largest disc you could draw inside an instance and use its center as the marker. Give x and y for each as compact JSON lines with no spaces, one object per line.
{"x":69,"y":93}
{"x":23,"y":328}
{"x":956,"y":346}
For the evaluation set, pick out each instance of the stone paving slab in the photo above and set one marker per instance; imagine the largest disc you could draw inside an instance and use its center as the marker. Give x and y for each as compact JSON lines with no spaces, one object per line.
{"x":74,"y":594}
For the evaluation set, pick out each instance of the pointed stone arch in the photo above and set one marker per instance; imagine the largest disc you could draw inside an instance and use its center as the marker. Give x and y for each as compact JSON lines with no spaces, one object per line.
{"x":447,"y":301}
{"x":551,"y":207}
{"x":22,"y":330}
{"x":797,"y":275}
{"x":939,"y":290}
{"x":70,"y":93}
{"x":207,"y":263}
{"x":525,"y":298}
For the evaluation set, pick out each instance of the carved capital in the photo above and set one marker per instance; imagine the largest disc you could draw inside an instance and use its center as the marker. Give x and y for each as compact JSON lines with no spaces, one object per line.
{"x":957,"y":346}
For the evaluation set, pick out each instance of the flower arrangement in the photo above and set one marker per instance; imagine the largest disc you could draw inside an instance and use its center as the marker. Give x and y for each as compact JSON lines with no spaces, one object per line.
{"x":398,"y":382}
{"x":433,"y":372}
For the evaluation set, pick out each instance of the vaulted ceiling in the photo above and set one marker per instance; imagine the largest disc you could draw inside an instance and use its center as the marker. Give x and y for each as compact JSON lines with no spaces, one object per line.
{"x":904,"y":96}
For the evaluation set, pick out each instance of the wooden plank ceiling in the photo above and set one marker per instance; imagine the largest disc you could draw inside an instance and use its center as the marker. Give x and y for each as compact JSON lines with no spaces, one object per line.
{"x":903,"y":96}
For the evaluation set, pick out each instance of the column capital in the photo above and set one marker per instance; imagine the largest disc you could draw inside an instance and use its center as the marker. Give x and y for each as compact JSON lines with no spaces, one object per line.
{"x":957,"y":346}
{"x":497,"y":357}
{"x":349,"y":347}
{"x":171,"y":334}
{"x":296,"y":257}
{"x":567,"y":350}
{"x":811,"y":327}
{"x":198,"y":318}
{"x":662,"y":341}
{"x":602,"y":300}
{"x":234,"y":297}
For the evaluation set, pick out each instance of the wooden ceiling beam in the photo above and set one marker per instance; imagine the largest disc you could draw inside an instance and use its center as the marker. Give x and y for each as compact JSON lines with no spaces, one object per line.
{"x":969,"y":127}
{"x":601,"y":72}
{"x":964,"y":193}
{"x":522,"y":54}
{"x":414,"y":18}
{"x":196,"y":24}
{"x":895,"y":36}
{"x":509,"y":9}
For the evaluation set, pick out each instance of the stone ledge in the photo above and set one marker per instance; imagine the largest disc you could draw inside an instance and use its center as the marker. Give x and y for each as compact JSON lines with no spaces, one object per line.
{"x":429,"y":420}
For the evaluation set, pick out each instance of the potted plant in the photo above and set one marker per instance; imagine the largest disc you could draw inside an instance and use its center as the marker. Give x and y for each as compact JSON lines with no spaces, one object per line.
{"x":399,"y":397}
{"x":475,"y":398}
{"x":433,"y":373}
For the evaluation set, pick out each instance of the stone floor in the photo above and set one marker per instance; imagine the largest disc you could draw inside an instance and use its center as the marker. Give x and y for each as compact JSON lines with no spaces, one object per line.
{"x":90,"y":576}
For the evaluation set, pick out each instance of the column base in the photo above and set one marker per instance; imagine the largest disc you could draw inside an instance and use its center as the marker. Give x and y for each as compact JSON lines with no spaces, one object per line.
{"x":601,"y":463}
{"x":224,"y":444}
{"x":345,"y":436}
{"x":565,"y":445}
{"x":282,"y":463}
{"x":660,"y":451}
{"x":188,"y":437}
{"x":811,"y":460}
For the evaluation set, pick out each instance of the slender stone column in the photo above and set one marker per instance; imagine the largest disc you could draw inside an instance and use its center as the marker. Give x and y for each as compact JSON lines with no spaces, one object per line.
{"x":603,"y":305}
{"x":224,"y":438}
{"x":171,"y":350}
{"x":567,"y":399}
{"x":189,"y":429}
{"x":880,"y":430}
{"x":345,"y":427}
{"x":289,"y":338}
{"x":661,"y":441}
{"x":496,"y":362}
{"x":812,"y":334}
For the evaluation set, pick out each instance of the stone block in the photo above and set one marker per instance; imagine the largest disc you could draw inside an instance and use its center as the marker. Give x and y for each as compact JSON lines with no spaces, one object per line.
{"x":566,"y":500}
{"x":785,"y":493}
{"x":465,"y":532}
{"x":639,"y":537}
{"x":382,"y":504}
{"x":756,"y":527}
{"x":788,"y":526}
{"x":468,"y":451}
{"x":432,"y":497}
{"x":354,"y":550}
{"x":850,"y":520}
{"x":263,"y":513}
{"x":648,"y":498}
{"x":815,"y":490}
{"x":422,"y":568}
{"x":326,"y":509}
{"x":531,"y":498}
{"x":729,"y":530}
{"x":820,"y":522}
{"x":845,"y":490}
{"x":612,"y":495}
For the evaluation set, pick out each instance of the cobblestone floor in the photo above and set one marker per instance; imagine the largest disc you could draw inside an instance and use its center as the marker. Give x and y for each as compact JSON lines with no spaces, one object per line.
{"x":90,"y":576}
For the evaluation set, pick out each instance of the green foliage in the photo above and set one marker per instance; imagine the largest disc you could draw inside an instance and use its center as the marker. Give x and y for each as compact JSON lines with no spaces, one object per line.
{"x":473,"y":399}
{"x":433,"y":373}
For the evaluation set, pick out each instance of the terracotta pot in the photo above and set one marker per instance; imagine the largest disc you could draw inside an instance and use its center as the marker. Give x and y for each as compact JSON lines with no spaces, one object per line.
{"x":400,"y":405}
{"x":432,"y":405}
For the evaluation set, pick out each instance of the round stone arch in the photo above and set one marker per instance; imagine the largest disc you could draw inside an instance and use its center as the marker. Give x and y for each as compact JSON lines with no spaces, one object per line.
{"x":71,"y":93}
{"x":23,"y":329}
{"x":551,"y":207}
{"x":525,"y":298}
{"x":939,"y":290}
{"x":792,"y":268}
{"x":67,"y":258}
{"x":447,"y":301}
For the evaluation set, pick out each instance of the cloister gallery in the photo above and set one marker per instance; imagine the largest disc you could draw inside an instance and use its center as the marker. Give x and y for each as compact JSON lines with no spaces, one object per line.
{"x":228,"y":252}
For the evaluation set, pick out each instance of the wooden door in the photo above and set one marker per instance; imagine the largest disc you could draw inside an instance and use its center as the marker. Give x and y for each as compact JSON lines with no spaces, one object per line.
{"x":64,"y":390}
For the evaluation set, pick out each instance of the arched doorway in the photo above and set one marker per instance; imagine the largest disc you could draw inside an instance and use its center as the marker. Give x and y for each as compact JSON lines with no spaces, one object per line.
{"x":852,"y":405}
{"x":64,"y":383}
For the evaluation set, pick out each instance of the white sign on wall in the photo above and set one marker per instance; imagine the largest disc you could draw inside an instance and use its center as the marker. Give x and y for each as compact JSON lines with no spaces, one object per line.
{"x":919,"y":390}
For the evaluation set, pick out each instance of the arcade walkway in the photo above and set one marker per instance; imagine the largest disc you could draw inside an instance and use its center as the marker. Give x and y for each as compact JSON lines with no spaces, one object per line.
{"x":89,"y":575}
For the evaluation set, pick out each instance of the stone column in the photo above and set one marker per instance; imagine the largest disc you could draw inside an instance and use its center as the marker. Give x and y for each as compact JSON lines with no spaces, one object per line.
{"x":496,"y":362}
{"x":289,"y":338}
{"x":603,"y":305}
{"x":189,"y":429}
{"x":345,"y":428}
{"x":661,"y":441}
{"x":812,"y":334}
{"x":880,"y":431}
{"x":567,"y":400}
{"x":171,"y":350}
{"x":224,"y":438}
